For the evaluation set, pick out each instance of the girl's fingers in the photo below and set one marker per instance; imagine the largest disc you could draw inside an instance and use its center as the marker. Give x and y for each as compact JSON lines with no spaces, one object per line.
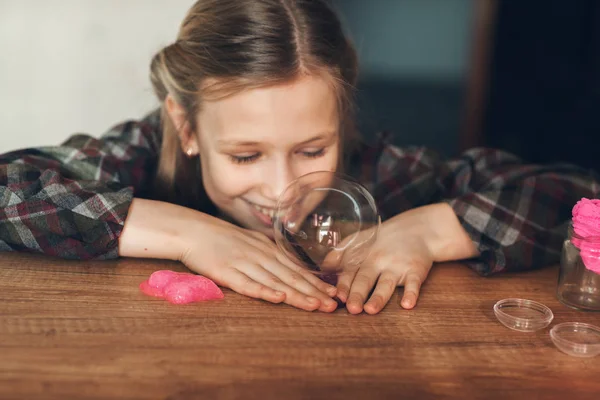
{"x":293,"y":296}
{"x":412,"y":286}
{"x":298,"y":284}
{"x":344,"y":283}
{"x":308,"y":276}
{"x":243,"y":284}
{"x":386,"y":285}
{"x":361,"y":286}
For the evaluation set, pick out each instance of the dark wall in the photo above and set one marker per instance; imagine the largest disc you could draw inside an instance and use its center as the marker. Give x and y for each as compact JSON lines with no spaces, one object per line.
{"x":544,"y":98}
{"x":413,"y":56}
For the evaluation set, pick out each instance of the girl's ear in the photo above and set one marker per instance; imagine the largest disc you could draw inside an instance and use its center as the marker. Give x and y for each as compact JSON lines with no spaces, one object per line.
{"x":179,"y":118}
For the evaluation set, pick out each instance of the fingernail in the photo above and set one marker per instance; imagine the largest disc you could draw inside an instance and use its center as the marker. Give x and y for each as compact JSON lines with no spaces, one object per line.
{"x":279,"y":294}
{"x":331,"y":290}
{"x":330,"y":303}
{"x":354,"y":308}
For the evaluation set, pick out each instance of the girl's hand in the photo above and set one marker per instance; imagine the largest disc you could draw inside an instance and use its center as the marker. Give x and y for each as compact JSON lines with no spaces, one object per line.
{"x":403,"y":254}
{"x":250,"y":263}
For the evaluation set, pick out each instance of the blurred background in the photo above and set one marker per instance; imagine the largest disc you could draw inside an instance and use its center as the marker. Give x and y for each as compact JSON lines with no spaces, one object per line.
{"x":448,"y":74}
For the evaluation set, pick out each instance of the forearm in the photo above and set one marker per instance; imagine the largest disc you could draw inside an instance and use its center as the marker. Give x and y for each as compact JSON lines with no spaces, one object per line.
{"x":441,"y":231}
{"x":155,"y":229}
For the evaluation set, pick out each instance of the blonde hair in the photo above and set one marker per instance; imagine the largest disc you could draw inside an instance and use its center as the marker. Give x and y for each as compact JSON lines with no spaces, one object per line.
{"x":240,"y":44}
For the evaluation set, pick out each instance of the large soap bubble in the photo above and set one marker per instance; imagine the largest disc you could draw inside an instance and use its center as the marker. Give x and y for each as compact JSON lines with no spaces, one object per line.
{"x":326,"y":222}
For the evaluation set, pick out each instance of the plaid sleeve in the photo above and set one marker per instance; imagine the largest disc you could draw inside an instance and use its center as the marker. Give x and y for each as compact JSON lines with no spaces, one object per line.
{"x":516,"y":214}
{"x":71,"y":201}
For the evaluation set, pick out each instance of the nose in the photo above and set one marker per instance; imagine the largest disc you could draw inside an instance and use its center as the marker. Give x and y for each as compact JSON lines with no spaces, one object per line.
{"x":278,"y":177}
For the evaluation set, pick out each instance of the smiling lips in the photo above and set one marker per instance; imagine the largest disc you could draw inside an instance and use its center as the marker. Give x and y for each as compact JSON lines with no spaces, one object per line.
{"x":263,"y":214}
{"x":270,"y":212}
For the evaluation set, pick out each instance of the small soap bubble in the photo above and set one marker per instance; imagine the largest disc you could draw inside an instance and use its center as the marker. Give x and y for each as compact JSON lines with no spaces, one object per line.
{"x":326,"y":222}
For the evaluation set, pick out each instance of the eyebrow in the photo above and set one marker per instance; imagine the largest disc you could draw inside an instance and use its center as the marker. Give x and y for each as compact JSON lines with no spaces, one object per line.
{"x":247,"y":143}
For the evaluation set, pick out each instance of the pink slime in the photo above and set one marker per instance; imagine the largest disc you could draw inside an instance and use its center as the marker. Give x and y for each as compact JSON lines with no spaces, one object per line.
{"x":180,"y":287}
{"x":586,"y":224}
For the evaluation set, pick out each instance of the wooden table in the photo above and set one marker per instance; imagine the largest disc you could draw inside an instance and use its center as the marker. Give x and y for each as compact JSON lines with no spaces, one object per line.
{"x":83,"y":330}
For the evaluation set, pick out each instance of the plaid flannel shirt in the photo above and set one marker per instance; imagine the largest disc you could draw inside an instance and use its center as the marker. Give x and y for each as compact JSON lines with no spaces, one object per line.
{"x":72,"y":200}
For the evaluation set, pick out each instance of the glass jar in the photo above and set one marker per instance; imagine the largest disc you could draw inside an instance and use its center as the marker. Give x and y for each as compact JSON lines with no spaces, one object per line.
{"x":579,"y":275}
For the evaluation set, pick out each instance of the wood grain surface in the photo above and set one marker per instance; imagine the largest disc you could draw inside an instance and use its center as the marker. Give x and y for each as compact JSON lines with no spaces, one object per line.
{"x":83,"y":330}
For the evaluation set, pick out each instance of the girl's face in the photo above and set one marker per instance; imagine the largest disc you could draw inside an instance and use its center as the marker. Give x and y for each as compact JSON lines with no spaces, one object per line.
{"x":253,"y":144}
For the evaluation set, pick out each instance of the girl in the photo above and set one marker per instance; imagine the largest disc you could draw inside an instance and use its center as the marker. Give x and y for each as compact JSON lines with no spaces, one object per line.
{"x":253,"y":94}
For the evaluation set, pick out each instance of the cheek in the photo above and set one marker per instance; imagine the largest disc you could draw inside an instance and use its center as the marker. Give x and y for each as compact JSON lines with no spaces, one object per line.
{"x":223,"y":180}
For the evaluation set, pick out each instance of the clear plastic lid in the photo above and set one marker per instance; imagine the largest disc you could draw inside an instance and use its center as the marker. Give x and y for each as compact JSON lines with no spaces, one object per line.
{"x":576,"y":339}
{"x":523,"y":315}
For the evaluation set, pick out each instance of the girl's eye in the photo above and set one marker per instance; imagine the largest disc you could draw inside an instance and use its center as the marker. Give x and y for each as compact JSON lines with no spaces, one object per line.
{"x":245,"y":159}
{"x":314,"y":154}
{"x":253,"y":157}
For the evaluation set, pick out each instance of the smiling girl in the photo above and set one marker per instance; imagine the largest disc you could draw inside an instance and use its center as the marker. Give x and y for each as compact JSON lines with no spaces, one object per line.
{"x":254,"y":94}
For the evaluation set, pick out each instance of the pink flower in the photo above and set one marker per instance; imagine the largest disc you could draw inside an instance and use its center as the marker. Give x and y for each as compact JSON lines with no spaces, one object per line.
{"x":586,"y":225}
